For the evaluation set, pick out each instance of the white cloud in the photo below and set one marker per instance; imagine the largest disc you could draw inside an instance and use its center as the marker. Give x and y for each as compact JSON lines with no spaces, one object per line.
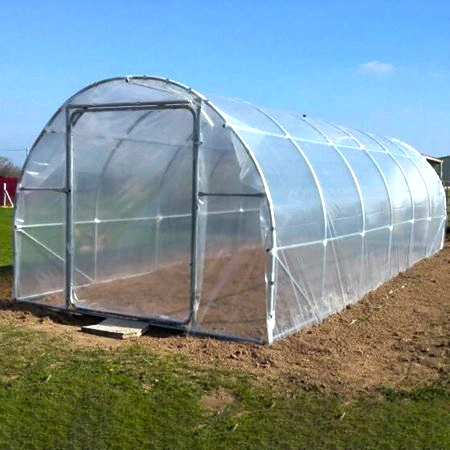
{"x":375,"y":67}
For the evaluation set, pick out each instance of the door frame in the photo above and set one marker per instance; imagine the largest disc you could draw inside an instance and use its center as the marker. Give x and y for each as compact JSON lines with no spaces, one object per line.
{"x":73,"y":113}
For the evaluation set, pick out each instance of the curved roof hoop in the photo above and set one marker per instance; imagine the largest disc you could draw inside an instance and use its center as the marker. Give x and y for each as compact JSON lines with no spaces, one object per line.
{"x":347,"y":164}
{"x":413,"y":209}
{"x":398,"y":143}
{"x":386,"y":185}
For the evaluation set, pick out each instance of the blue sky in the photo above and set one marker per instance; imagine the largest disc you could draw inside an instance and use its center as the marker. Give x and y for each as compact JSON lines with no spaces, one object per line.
{"x":383,"y":66}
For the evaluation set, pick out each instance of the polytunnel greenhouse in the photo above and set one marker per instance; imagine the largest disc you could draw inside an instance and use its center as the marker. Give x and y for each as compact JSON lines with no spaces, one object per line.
{"x":144,"y":199}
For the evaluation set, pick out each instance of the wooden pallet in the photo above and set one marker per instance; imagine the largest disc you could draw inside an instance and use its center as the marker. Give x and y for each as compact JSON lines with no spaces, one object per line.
{"x":118,"y":328}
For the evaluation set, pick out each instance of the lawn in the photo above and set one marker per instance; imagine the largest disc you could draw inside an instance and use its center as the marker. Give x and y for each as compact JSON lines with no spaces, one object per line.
{"x":54,"y":396}
{"x":6,"y":216}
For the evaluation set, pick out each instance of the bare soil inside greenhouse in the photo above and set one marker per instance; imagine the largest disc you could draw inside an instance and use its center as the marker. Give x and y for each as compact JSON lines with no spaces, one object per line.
{"x":397,"y":336}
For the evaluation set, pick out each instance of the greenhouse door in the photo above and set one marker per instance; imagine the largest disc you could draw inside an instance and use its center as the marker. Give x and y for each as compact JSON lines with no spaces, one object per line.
{"x":130,"y":218}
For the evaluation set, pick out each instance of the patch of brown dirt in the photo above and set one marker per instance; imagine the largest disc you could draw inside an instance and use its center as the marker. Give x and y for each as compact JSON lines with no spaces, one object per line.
{"x":398,"y":336}
{"x":217,"y":401}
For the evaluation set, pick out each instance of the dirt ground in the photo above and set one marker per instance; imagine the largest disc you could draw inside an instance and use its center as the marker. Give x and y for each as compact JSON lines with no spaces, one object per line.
{"x":164,"y":294}
{"x":397,"y":336}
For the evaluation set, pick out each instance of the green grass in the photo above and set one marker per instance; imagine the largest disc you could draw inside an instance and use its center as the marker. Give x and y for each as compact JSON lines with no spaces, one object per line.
{"x":53,"y":396}
{"x":6,"y":216}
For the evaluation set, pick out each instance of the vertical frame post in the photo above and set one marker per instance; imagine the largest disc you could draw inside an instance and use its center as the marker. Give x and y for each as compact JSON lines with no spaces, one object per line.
{"x":194,"y":300}
{"x":69,"y":213}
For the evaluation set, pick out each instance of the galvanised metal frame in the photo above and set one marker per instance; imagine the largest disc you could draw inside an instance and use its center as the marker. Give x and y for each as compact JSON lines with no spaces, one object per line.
{"x":386,"y":185}
{"x":408,"y":184}
{"x":73,"y":113}
{"x":194,"y":299}
{"x":185,"y":93}
{"x":179,"y":88}
{"x":399,"y":146}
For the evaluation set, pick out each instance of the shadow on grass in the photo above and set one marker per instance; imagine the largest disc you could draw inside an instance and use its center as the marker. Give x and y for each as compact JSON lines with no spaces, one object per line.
{"x":6,"y":270}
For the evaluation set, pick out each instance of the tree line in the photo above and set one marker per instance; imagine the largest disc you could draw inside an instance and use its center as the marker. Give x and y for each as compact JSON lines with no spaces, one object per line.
{"x":8,"y":168}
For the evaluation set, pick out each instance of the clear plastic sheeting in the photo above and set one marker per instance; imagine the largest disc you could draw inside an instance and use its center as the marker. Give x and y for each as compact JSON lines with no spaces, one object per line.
{"x":142,"y":198}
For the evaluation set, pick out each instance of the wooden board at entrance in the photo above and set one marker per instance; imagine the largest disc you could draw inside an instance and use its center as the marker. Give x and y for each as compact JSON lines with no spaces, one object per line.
{"x":118,"y":328}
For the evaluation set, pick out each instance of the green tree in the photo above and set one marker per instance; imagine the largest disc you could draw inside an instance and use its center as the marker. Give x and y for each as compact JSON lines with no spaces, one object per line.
{"x":8,"y":168}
